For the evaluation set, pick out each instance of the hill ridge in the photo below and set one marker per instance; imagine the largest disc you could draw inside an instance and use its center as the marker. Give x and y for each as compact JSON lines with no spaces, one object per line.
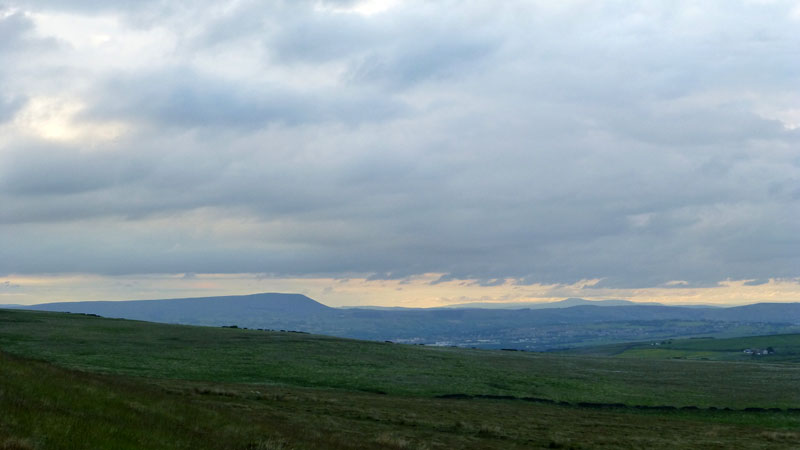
{"x":529,"y":329}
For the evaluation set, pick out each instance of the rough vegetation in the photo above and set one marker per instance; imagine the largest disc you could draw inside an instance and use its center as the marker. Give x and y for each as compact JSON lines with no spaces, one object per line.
{"x":101,"y":383}
{"x":782,"y":348}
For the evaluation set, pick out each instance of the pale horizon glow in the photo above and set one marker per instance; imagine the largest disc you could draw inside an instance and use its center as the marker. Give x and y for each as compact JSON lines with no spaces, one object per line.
{"x":423,"y":291}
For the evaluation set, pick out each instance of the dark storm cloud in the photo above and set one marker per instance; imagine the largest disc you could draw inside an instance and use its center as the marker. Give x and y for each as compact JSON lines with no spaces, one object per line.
{"x":549,"y":143}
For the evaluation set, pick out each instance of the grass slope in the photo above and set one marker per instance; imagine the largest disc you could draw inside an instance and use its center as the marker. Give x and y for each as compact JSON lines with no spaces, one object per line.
{"x":144,"y":385}
{"x":786,"y":349}
{"x":46,"y":407}
{"x":250,"y":356}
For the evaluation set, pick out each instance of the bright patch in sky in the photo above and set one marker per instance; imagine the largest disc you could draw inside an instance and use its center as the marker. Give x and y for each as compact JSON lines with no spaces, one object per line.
{"x":58,"y":119}
{"x":364,"y":8}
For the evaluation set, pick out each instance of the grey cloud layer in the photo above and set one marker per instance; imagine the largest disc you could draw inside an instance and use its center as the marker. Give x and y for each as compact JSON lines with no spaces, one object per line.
{"x":184,"y":98}
{"x":549,"y":143}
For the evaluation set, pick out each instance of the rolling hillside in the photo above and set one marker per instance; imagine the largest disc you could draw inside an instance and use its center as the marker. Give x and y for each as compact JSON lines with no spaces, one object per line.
{"x":236,"y":355}
{"x":781,"y":348}
{"x":78,"y":381}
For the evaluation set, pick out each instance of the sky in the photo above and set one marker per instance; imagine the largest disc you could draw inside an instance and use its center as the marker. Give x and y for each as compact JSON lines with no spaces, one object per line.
{"x":409,"y":153}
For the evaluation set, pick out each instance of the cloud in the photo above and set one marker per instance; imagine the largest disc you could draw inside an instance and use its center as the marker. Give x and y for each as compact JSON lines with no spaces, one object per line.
{"x":9,"y":285}
{"x":442,"y":59}
{"x":14,"y":27}
{"x":9,"y":105}
{"x":515,"y":145}
{"x":185,"y":98}
{"x":397,"y":50}
{"x":17,"y":34}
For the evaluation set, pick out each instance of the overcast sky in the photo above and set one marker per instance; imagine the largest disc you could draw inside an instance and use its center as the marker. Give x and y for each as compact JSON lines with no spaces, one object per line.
{"x":506,"y":150}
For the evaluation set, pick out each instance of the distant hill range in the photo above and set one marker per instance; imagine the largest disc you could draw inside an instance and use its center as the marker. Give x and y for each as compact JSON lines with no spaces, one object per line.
{"x":566,"y":303}
{"x":570,"y":322}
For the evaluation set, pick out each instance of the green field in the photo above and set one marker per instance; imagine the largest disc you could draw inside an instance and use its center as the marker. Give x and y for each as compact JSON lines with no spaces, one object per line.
{"x":783,"y":348}
{"x":75,"y":381}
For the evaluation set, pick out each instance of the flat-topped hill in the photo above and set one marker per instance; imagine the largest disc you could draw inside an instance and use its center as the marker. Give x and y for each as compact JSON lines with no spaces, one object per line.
{"x":199,"y":310}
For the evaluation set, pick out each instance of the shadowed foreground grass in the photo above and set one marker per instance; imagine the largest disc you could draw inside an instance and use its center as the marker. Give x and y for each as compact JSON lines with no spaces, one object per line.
{"x":81,"y":382}
{"x":46,"y":407}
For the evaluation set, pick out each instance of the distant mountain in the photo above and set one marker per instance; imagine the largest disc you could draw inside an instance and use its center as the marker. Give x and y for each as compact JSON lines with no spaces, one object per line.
{"x":569,"y":323}
{"x":566,"y":303}
{"x":759,"y":312}
{"x":380,"y":308}
{"x":268,"y":307}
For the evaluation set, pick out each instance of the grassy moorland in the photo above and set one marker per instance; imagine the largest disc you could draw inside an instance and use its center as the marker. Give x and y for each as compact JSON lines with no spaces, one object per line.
{"x":783,"y":348}
{"x":293,"y":359}
{"x":47,"y":407}
{"x":74,"y":381}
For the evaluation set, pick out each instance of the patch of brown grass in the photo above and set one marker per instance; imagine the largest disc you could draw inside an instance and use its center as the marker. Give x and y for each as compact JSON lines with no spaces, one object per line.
{"x":14,"y":443}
